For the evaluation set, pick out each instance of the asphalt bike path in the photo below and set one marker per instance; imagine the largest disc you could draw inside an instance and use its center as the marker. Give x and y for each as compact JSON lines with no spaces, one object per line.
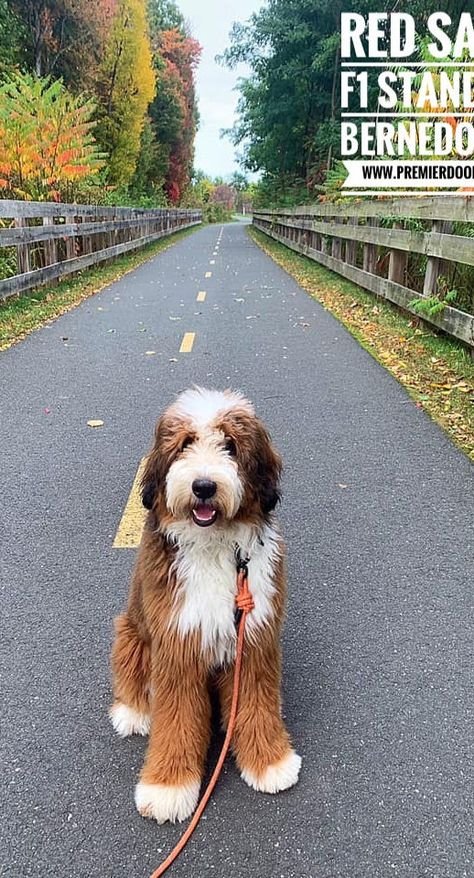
{"x":377,"y":513}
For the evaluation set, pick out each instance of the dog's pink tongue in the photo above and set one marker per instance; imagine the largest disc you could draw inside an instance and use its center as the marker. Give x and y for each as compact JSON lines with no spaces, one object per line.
{"x":204,"y":512}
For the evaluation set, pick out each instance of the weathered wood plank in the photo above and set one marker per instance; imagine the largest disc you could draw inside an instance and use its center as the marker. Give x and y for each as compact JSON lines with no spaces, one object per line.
{"x":452,"y":321}
{"x":30,"y":209}
{"x":459,"y":208}
{"x":454,"y":248}
{"x":14,"y":285}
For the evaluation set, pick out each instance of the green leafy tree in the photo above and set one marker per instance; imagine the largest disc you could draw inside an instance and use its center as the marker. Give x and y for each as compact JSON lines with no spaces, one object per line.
{"x":12,"y":38}
{"x":288,"y":111}
{"x":164,"y":15}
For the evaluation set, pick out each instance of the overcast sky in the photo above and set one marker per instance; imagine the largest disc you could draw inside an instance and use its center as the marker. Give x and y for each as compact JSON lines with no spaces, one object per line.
{"x":211,"y":21}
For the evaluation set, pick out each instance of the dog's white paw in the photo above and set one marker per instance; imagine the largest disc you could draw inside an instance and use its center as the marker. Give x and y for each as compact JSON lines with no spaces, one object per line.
{"x":162,"y":802}
{"x":127,"y":721}
{"x":277,"y":777}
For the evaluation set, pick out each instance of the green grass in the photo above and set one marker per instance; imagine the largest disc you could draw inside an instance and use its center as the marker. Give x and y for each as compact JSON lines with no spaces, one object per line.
{"x":21,"y":315}
{"x":437,"y":371}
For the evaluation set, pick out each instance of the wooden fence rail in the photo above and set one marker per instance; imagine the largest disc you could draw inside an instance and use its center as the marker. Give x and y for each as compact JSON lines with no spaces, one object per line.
{"x":53,"y":240}
{"x":348,"y":239}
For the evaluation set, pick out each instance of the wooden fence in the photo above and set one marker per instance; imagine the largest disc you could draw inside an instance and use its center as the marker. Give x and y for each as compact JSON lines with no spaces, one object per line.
{"x":53,"y":240}
{"x":350,"y":239}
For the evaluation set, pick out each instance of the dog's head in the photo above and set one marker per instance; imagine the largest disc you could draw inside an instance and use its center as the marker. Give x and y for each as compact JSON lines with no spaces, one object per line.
{"x":212,"y":462}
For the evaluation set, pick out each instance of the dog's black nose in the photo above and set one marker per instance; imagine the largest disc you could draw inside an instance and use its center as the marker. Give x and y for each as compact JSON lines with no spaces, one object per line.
{"x":204,"y":488}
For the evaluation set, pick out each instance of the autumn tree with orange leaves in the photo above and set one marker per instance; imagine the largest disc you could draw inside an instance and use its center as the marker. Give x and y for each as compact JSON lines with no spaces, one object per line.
{"x":46,"y":140}
{"x":135,"y":60}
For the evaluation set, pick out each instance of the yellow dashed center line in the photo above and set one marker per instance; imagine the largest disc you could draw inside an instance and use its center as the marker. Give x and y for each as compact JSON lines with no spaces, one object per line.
{"x":212,"y":262}
{"x":130,"y":529}
{"x":201,"y":297}
{"x":208,"y":274}
{"x":187,"y":343}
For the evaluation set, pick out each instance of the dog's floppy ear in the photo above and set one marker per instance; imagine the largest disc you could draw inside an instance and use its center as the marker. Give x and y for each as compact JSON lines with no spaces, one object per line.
{"x":148,"y":492}
{"x":170,"y":435}
{"x":269,"y":466}
{"x":153,"y":473}
{"x":149,"y":481}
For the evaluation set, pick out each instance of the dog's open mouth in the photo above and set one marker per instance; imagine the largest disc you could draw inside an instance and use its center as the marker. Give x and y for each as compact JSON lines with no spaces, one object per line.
{"x":204,"y":515}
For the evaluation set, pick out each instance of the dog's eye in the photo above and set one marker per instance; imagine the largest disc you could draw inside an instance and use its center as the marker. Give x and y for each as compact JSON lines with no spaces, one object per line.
{"x":231,"y":447}
{"x":187,"y":442}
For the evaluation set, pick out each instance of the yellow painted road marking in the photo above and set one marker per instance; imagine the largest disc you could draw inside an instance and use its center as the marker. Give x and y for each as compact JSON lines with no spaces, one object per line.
{"x":212,"y":262}
{"x":187,"y":343}
{"x":130,"y":529}
{"x":208,"y":274}
{"x":201,"y":297}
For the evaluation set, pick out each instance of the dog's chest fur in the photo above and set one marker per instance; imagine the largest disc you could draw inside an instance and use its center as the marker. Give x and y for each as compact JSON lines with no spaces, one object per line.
{"x":206,"y":577}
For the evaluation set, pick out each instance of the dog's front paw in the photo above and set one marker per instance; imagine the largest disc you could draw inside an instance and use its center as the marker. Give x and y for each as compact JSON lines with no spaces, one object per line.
{"x":277,"y":777}
{"x":162,"y":802}
{"x":127,"y":721}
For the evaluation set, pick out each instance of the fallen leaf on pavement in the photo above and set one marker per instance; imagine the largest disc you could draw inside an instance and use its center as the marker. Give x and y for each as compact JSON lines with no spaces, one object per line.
{"x":95,"y":423}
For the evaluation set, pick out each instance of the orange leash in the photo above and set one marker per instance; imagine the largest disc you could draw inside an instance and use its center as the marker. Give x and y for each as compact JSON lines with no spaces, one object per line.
{"x":244,"y":603}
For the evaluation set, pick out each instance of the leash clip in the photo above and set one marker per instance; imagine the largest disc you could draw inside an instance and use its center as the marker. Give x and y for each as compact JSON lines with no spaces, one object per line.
{"x":241,"y":562}
{"x":242,"y":565}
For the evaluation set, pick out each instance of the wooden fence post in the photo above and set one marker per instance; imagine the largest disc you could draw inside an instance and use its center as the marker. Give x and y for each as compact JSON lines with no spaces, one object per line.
{"x":434,"y":265}
{"x":23,"y":257}
{"x":87,"y":239}
{"x":336,"y":244}
{"x":351,"y":246}
{"x":398,"y":262}
{"x":51,"y":245}
{"x":370,"y":251}
{"x":70,"y":240}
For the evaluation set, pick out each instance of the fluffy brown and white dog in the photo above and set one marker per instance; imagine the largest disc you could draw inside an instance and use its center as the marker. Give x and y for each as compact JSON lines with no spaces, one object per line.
{"x":211,"y":483}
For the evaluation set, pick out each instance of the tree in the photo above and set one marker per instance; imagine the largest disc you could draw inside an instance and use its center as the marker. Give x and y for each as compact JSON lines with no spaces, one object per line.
{"x":174,"y":111}
{"x":56,"y":32}
{"x":164,"y":15}
{"x":47,"y":143}
{"x":136,"y":58}
{"x":224,"y":195}
{"x":126,"y":86}
{"x":12,"y":38}
{"x":287,"y":113}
